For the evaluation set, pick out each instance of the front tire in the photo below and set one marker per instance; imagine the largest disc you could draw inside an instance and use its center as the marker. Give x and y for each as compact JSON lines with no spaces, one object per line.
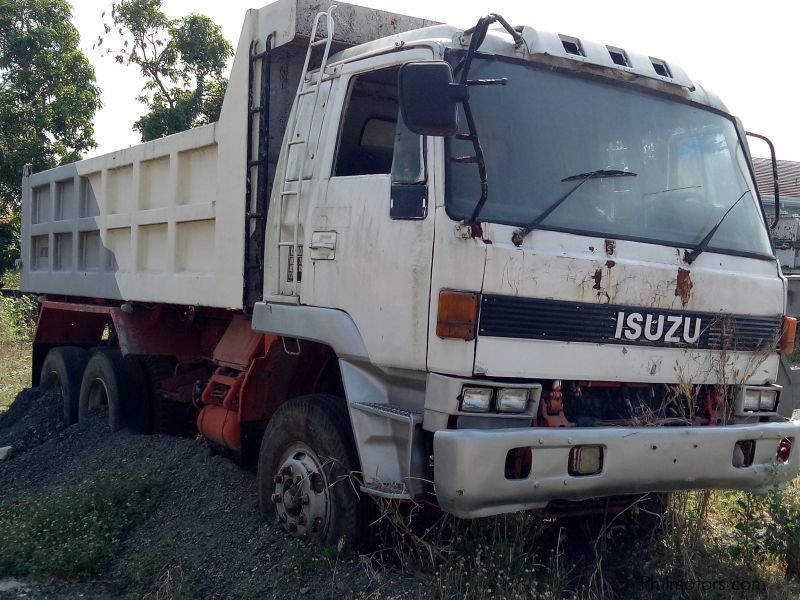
{"x":62,"y":372}
{"x":305,"y":471}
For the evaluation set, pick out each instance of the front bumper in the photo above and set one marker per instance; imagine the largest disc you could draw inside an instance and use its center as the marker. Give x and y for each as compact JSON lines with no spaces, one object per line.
{"x":469,"y":464}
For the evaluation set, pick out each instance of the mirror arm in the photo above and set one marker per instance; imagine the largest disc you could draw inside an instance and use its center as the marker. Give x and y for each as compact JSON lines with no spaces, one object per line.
{"x":479,"y":160}
{"x":478,"y":35}
{"x":774,"y":174}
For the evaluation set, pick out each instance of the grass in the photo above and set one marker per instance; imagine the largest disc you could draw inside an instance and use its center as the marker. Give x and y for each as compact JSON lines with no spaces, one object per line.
{"x":17,"y":316}
{"x":157,"y":575}
{"x":78,"y":534}
{"x":694,"y":545}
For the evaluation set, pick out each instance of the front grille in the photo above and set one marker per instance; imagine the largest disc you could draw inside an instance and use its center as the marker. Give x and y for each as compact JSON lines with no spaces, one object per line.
{"x":537,"y":319}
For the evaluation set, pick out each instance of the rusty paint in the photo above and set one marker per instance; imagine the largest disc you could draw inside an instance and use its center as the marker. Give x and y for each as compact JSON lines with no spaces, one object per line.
{"x":610,"y":264}
{"x":611,"y":246}
{"x":687,"y":256}
{"x":683,"y":285}
{"x":598,"y":276}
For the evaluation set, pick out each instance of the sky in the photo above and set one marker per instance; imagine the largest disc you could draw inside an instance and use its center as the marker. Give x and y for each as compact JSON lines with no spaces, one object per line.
{"x":746,"y":52}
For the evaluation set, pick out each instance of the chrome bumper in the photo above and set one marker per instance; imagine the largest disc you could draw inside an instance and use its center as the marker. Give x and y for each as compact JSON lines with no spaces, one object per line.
{"x":469,"y":464}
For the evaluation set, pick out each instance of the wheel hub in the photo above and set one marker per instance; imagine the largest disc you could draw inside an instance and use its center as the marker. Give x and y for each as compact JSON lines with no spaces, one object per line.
{"x":301,"y":497}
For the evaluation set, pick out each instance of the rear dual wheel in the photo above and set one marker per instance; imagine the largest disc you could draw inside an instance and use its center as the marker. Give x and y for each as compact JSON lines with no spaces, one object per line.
{"x":62,"y":372}
{"x":115,"y":385}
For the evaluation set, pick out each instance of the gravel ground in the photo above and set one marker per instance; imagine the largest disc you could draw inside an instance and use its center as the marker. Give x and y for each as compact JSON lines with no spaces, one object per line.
{"x":205,"y":538}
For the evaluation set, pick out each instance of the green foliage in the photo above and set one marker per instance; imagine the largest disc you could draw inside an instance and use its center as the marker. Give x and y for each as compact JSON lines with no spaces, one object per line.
{"x":15,"y":347}
{"x":73,"y":535}
{"x":48,"y":98}
{"x":181,"y":59}
{"x":768,"y":526}
{"x":18,"y":317}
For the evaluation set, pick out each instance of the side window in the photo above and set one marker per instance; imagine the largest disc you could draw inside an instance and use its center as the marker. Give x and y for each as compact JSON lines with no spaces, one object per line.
{"x":372,"y":139}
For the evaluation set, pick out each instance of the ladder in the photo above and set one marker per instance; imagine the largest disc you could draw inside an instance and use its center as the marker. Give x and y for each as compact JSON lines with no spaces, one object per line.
{"x":300,"y":135}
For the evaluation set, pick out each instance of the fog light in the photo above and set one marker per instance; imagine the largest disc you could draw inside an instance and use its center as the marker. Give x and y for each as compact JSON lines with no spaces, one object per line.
{"x":513,"y":400}
{"x":585,"y":460}
{"x":784,"y":450}
{"x":476,"y":399}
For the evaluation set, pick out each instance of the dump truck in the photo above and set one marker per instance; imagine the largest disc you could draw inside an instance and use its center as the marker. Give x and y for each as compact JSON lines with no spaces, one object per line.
{"x":494,"y":269}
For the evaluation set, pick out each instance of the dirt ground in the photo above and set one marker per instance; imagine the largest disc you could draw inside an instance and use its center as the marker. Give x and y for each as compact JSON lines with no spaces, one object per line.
{"x":205,"y":537}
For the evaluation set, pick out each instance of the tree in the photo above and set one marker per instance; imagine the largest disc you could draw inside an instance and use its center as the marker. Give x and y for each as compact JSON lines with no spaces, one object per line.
{"x":181,"y":59}
{"x":48,"y":98}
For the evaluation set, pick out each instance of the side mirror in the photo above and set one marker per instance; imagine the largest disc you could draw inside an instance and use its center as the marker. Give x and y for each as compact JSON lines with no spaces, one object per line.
{"x":775,"y":187}
{"x":429,"y":98}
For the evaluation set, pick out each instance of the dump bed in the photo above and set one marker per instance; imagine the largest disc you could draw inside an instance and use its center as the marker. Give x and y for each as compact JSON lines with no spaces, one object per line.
{"x":165,"y":221}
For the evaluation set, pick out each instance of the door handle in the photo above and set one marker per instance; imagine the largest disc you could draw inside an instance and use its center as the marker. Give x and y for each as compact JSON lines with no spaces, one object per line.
{"x":322,"y":245}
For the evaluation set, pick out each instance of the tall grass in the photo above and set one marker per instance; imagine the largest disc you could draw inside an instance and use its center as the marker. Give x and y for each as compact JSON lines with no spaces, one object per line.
{"x":17,"y":317}
{"x":687,"y":545}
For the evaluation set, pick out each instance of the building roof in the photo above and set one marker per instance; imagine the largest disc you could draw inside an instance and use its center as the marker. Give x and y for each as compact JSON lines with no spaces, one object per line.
{"x":788,"y":177}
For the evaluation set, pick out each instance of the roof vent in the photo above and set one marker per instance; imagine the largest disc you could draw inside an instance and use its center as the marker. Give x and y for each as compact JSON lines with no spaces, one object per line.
{"x":660,"y":67}
{"x":572,"y":45}
{"x":619,"y":56}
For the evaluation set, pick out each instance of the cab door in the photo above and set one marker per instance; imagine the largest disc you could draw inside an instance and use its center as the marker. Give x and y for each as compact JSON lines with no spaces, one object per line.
{"x":369,"y":236}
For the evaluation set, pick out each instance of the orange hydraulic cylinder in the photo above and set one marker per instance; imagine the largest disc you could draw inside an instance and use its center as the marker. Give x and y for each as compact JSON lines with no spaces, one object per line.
{"x":220,"y":425}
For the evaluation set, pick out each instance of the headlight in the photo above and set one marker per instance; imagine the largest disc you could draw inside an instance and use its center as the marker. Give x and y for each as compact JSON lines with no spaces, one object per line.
{"x":476,"y":399}
{"x":513,"y":400}
{"x":759,"y":399}
{"x":752,"y":399}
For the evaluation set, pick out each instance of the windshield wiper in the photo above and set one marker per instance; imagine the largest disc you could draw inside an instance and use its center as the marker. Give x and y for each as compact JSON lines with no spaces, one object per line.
{"x":581,"y":178}
{"x":700,"y":248}
{"x":601,"y":174}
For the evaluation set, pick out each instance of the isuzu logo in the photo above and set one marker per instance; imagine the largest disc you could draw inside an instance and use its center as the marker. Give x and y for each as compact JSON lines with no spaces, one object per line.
{"x":672,"y":329}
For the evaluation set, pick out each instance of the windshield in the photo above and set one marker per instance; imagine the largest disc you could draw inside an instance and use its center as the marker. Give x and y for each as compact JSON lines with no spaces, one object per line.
{"x":546,"y":127}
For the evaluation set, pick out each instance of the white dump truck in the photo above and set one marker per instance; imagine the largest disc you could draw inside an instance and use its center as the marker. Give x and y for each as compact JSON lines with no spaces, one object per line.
{"x":498,"y":268}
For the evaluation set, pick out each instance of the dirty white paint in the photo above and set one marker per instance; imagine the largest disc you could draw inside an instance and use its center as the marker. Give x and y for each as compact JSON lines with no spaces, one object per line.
{"x":382,"y":268}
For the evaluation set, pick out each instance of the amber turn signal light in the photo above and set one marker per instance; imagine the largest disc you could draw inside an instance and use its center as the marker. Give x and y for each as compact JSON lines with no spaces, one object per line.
{"x":458,"y":312}
{"x":788,"y":334}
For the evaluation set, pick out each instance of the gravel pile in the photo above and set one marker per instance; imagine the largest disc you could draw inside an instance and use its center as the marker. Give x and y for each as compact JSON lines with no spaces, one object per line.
{"x":205,"y":538}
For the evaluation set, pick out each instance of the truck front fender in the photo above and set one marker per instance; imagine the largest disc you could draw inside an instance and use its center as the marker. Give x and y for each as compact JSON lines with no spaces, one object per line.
{"x":328,"y":326}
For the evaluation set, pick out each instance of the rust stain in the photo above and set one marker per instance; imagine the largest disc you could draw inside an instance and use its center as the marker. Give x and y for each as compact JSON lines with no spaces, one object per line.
{"x":610,"y":264}
{"x":611,"y":246}
{"x":686,"y":255}
{"x":591,"y":248}
{"x":598,"y":276}
{"x":683,"y":285}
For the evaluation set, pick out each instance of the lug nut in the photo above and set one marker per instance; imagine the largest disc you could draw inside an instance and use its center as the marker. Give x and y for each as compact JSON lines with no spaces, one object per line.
{"x":301,"y":519}
{"x":287,"y":470}
{"x":276,"y":498}
{"x":292,"y":527}
{"x":317,"y":524}
{"x":298,"y":479}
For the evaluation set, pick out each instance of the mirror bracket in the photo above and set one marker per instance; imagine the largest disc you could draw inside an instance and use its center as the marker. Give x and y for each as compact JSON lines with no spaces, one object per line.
{"x":774,"y":174}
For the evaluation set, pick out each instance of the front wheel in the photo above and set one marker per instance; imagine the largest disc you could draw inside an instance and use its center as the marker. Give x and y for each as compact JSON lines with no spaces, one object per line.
{"x":306,"y":471}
